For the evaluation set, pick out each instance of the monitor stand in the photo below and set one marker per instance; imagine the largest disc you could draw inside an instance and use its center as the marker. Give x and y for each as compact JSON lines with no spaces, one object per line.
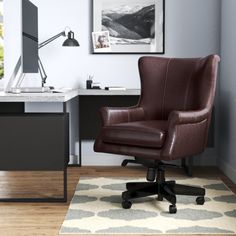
{"x":31,"y":90}
{"x":14,"y":84}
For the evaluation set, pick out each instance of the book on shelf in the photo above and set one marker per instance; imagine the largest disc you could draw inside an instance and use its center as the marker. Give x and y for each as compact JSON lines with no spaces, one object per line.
{"x":112,"y":88}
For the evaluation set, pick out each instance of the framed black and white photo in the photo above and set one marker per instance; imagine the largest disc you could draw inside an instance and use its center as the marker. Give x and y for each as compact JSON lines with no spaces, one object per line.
{"x":134,"y":26}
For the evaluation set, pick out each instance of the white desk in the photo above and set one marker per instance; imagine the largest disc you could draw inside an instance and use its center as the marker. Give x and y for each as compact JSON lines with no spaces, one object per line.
{"x":39,"y":97}
{"x":63,"y":97}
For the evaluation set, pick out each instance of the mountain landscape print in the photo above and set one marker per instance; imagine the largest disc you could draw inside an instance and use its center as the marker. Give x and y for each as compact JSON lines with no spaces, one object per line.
{"x":129,"y":21}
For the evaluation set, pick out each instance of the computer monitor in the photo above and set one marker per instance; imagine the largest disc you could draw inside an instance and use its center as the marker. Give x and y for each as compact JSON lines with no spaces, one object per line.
{"x":28,"y":60}
{"x":29,"y":37}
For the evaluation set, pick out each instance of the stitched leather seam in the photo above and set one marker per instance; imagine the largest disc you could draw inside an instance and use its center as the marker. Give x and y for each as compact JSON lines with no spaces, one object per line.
{"x":187,"y":90}
{"x":164,"y":94}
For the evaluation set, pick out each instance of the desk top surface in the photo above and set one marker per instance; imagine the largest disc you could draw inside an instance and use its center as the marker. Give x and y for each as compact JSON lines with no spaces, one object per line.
{"x":63,"y":96}
{"x":102,"y":92}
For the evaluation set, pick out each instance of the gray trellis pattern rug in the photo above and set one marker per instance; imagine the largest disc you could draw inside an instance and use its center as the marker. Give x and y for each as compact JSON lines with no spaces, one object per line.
{"x":96,"y":208}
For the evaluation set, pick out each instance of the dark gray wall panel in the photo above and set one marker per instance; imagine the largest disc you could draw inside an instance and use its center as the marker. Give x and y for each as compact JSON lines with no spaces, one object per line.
{"x":89,"y":111}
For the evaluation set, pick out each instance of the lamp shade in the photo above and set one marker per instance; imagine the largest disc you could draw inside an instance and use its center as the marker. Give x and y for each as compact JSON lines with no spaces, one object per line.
{"x":71,"y":41}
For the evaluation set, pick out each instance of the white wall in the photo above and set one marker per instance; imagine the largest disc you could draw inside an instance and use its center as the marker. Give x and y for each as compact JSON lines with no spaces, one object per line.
{"x":192,"y":30}
{"x":227,"y":158}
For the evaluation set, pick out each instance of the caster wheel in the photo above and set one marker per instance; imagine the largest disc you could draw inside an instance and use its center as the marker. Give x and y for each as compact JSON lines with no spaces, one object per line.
{"x":172,"y":209}
{"x":200,"y":200}
{"x":126,"y":204}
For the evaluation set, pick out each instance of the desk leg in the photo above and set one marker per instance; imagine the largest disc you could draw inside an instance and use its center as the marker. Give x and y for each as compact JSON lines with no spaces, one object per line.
{"x":64,"y":107}
{"x":80,"y":152}
{"x":64,"y":199}
{"x":79,"y":164}
{"x":49,"y":199}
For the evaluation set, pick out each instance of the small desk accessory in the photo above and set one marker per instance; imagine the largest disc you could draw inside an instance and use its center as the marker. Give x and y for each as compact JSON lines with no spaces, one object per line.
{"x":92,"y":85}
{"x":112,"y":88}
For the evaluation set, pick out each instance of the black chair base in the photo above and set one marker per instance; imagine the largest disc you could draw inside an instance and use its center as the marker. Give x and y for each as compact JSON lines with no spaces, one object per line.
{"x":161,"y":188}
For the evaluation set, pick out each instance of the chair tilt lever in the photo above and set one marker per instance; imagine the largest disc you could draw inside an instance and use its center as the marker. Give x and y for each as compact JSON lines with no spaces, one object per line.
{"x":149,"y":163}
{"x":126,"y":161}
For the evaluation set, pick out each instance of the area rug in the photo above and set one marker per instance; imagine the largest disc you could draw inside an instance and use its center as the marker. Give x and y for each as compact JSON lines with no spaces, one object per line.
{"x":96,"y":208}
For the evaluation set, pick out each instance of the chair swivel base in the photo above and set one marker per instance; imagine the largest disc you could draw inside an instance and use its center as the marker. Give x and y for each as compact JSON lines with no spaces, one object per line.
{"x":163,"y":189}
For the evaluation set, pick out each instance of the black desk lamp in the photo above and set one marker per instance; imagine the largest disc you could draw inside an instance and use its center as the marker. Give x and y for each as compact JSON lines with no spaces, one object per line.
{"x":69,"y":42}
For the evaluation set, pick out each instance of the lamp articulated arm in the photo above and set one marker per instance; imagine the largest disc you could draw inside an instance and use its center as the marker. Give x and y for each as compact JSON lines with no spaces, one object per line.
{"x":63,"y":33}
{"x":70,"y":41}
{"x":41,"y":68}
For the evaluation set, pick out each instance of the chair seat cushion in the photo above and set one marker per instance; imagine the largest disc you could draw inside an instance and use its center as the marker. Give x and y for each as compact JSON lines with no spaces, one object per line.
{"x":150,"y":134}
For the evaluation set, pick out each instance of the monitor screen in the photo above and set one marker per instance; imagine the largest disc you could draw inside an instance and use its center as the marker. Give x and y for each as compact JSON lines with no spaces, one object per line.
{"x":29,"y":37}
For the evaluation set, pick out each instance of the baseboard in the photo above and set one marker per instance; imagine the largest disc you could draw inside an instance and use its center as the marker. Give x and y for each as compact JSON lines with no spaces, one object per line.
{"x":74,"y":159}
{"x":228,"y":170}
{"x":102,"y":159}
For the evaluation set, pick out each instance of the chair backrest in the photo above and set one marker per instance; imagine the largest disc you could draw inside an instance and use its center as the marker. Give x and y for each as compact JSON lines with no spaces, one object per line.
{"x":181,"y":84}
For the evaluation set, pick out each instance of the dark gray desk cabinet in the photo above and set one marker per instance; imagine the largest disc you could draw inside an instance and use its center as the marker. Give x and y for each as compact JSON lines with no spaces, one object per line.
{"x":34,"y":142}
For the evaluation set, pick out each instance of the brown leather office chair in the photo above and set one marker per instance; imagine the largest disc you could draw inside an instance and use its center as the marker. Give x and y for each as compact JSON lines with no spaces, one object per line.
{"x":171,"y":121}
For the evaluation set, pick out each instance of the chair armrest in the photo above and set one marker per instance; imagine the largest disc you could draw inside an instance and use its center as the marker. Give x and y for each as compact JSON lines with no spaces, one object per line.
{"x":187,"y":133}
{"x":115,"y":115}
{"x":188,"y":117}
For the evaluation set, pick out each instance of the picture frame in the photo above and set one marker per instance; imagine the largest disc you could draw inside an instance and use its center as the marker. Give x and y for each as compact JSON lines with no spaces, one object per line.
{"x":135,"y":26}
{"x":101,"y":41}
